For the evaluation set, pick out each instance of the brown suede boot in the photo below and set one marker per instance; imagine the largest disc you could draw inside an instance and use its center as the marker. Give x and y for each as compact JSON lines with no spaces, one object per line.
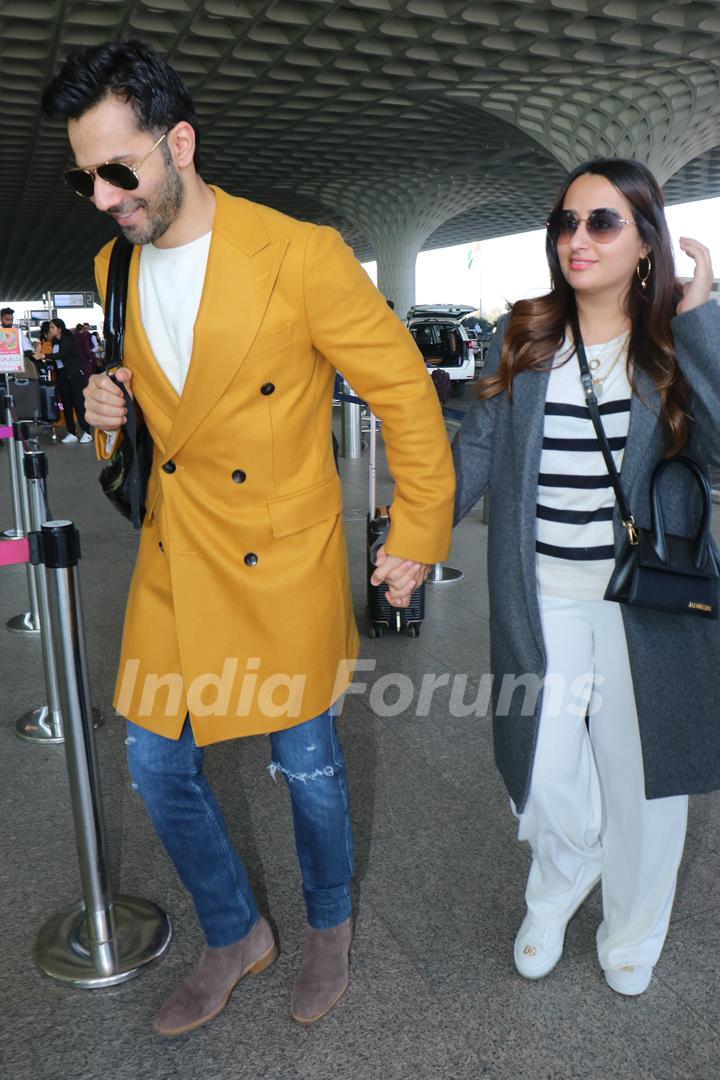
{"x":324,"y":972}
{"x":207,"y":989}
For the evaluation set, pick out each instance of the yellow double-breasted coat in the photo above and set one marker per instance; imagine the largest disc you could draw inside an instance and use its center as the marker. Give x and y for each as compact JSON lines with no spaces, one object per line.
{"x":240,"y":610}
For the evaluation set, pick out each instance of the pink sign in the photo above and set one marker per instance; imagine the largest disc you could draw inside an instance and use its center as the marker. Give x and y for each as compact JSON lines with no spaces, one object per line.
{"x":14,"y":551}
{"x":11,"y":353}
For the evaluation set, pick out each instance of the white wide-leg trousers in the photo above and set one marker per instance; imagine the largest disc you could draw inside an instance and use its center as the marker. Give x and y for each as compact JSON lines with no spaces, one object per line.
{"x":587,"y":815}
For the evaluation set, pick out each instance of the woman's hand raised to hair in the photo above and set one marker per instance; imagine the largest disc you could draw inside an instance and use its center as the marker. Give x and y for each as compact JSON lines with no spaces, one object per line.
{"x":697,"y":290}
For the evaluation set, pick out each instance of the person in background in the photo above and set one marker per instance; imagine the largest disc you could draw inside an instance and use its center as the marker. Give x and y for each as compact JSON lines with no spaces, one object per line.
{"x":70,"y":380}
{"x":83,"y":345}
{"x":95,"y":346}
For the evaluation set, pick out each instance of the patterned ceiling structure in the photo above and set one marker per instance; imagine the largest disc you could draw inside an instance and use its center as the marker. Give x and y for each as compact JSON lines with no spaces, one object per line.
{"x":408,"y":124}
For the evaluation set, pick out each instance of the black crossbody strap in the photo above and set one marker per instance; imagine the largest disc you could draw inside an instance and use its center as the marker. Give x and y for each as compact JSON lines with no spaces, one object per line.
{"x":591,"y":401}
{"x":114,"y":328}
{"x":116,"y":301}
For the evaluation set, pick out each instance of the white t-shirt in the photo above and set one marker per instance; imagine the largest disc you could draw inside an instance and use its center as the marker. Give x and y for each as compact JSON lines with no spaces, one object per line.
{"x":170,"y":284}
{"x":575,"y":498}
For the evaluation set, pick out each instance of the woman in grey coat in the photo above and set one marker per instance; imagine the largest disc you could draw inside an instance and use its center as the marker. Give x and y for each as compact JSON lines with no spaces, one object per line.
{"x":605,"y":716}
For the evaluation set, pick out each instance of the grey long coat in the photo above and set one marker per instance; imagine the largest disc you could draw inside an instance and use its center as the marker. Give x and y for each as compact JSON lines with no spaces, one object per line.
{"x":675,"y":659}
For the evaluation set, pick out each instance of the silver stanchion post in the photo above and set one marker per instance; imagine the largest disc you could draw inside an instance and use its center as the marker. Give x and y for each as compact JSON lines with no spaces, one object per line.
{"x":44,"y":724}
{"x":351,"y":438}
{"x":101,"y":941}
{"x":16,"y":533}
{"x":28,"y":622}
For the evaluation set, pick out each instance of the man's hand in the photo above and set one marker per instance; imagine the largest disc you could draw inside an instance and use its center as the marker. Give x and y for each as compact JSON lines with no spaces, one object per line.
{"x":402,"y":576}
{"x":104,"y":402}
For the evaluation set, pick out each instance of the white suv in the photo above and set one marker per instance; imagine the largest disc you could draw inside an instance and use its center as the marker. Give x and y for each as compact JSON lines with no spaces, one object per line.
{"x":444,"y":344}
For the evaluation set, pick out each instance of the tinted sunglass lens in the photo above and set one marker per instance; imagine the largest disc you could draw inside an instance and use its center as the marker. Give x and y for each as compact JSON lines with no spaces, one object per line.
{"x":604,"y":224}
{"x":567,"y":224}
{"x":80,"y":181}
{"x":120,"y":176}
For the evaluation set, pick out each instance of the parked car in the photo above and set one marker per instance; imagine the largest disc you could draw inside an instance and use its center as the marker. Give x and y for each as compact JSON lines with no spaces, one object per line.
{"x":444,"y":344}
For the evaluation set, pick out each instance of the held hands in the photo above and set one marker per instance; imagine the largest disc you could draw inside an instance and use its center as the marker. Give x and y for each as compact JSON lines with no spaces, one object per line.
{"x":402,"y":576}
{"x":104,"y":402}
{"x":696,"y":291}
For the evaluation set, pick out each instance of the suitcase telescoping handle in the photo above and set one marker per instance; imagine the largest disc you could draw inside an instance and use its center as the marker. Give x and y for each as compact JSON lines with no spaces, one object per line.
{"x":373,"y":466}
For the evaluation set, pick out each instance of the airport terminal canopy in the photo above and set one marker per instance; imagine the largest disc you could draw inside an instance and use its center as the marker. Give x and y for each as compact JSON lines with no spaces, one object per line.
{"x":408,"y":124}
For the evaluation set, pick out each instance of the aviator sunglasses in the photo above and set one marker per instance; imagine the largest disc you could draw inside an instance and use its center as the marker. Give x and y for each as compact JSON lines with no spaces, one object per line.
{"x":118,"y":173}
{"x":603,"y":225}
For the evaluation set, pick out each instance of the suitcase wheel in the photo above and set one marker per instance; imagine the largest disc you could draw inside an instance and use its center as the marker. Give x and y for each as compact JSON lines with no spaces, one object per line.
{"x":412,"y":630}
{"x":375,"y":630}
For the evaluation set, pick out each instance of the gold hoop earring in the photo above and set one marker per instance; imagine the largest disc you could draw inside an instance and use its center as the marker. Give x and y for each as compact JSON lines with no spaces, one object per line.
{"x":644,"y":280}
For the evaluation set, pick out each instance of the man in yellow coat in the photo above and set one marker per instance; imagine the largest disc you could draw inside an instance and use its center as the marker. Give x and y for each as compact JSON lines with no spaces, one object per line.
{"x":239,"y":619}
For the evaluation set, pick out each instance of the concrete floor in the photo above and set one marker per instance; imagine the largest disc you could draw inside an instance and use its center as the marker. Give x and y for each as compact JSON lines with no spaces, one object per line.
{"x":438,"y":892}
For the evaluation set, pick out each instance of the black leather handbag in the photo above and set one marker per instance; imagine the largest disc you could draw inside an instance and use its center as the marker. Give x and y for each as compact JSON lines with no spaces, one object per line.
{"x":657,"y":569}
{"x":125,"y":478}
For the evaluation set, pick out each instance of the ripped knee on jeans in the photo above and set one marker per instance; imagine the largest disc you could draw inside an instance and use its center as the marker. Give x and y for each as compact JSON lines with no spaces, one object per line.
{"x":302,"y":778}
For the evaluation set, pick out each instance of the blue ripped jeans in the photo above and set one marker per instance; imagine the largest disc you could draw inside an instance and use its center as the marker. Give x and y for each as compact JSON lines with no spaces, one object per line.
{"x":168,"y":773}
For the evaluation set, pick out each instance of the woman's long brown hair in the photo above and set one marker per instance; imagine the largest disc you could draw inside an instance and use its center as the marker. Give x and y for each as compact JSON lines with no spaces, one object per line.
{"x":537,"y":327}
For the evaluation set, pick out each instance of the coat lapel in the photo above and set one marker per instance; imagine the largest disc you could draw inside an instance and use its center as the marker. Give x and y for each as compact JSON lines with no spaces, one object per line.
{"x":242,"y":268}
{"x":645,"y":411}
{"x":149,"y":380}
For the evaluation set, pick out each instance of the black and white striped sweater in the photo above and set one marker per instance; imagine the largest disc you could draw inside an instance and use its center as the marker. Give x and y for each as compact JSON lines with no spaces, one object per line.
{"x":575,"y":499}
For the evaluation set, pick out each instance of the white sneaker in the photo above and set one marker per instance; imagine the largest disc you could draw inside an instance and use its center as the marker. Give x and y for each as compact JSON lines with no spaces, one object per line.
{"x":631,"y":980}
{"x":70,"y":438}
{"x":85,"y":437}
{"x":537,"y":949}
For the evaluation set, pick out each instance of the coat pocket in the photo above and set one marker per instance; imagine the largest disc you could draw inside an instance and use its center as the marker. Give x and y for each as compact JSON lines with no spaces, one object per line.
{"x":292,"y":513}
{"x":273,"y":339}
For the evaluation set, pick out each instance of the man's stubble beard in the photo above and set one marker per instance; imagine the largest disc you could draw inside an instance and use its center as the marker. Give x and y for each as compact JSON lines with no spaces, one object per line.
{"x":162,"y":210}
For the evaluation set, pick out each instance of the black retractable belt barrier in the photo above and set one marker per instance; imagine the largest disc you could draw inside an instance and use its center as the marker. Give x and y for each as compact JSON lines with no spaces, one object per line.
{"x":43,"y":725}
{"x":103,"y":940}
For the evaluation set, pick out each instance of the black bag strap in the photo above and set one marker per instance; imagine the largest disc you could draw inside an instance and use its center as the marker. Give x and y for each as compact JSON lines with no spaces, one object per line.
{"x":116,"y":301}
{"x":592,"y":403}
{"x":114,"y":329}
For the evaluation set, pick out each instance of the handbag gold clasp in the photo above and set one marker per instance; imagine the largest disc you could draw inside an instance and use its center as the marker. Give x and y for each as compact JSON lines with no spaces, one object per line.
{"x":631,"y":530}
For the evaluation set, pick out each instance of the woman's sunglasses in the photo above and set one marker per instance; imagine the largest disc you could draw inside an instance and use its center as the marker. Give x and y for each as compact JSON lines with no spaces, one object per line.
{"x":603,"y":225}
{"x":117,"y":173}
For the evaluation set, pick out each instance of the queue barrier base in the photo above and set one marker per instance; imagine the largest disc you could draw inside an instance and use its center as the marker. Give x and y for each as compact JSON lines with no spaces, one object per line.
{"x":442,"y":574}
{"x":63,"y":950}
{"x":24,"y":624}
{"x":46,"y":727}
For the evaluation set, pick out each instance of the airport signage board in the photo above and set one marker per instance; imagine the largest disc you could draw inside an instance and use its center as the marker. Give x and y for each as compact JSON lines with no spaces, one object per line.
{"x":68,"y":299}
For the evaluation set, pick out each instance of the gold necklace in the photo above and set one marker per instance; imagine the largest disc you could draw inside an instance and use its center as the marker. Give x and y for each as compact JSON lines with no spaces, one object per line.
{"x":595,"y":363}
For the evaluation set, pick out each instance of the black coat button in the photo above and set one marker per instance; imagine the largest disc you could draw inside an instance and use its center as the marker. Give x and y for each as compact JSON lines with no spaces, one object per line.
{"x":239,"y":476}
{"x":160,"y":545}
{"x":250,"y":559}
{"x":267,"y":388}
{"x":169,"y":466}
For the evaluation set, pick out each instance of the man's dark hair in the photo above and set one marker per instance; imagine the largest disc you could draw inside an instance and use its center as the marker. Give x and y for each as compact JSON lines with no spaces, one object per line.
{"x":60,"y":323}
{"x":134,"y":73}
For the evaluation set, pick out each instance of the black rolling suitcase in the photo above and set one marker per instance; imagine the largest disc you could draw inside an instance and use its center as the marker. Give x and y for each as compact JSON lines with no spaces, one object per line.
{"x":27,"y":397}
{"x":381,"y":614}
{"x":49,"y":412}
